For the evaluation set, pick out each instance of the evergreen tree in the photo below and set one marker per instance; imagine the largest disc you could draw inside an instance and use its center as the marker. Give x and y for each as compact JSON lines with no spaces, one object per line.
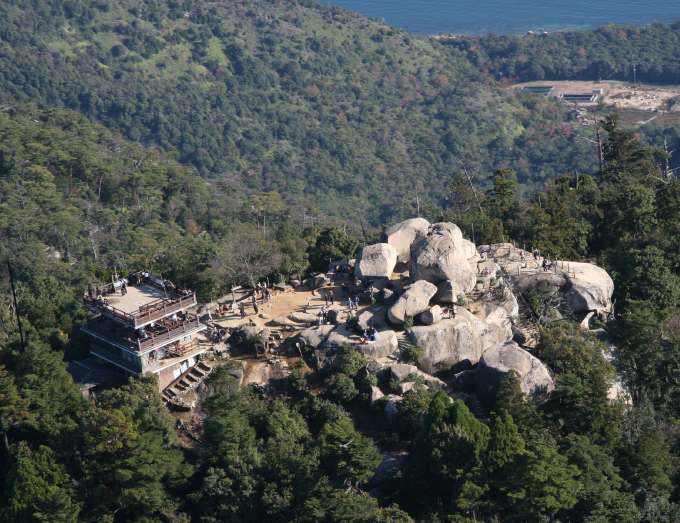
{"x":38,"y":490}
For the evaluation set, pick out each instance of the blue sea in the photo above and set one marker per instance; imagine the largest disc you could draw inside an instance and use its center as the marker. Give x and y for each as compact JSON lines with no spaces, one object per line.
{"x":472,"y":17}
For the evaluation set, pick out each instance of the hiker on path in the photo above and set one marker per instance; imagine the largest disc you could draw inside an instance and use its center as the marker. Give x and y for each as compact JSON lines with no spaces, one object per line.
{"x":242,"y":307}
{"x":326,"y":296}
{"x":356,"y":302}
{"x":123,"y":288}
{"x":331,"y":295}
{"x":545,"y":265}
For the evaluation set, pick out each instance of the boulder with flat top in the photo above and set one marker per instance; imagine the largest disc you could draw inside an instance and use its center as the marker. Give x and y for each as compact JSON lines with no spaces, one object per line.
{"x":432,"y":315}
{"x":456,"y":340}
{"x":376,"y":261}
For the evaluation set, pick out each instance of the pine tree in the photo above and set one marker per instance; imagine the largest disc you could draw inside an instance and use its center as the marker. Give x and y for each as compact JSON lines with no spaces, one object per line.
{"x":37,"y":490}
{"x":504,"y":443}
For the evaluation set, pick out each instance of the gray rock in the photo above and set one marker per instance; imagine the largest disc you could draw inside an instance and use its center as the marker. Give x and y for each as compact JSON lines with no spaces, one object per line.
{"x":388,"y":297}
{"x":295,"y":283}
{"x":432,"y":382}
{"x":432,"y":315}
{"x":376,"y":261}
{"x":464,"y":380}
{"x":376,"y":368}
{"x":329,"y":350}
{"x":406,"y":386}
{"x":536,"y":380}
{"x":245,"y":332}
{"x":316,"y":282}
{"x":441,"y":256}
{"x":314,"y":336}
{"x":415,"y":300}
{"x":400,"y":370}
{"x":386,"y":344}
{"x":457,"y":339}
{"x":280,"y":320}
{"x":368,"y":318}
{"x":592,"y":288}
{"x":391,"y":408}
{"x":265,"y":316}
{"x":376,"y":394}
{"x":238,"y":374}
{"x":303,"y":317}
{"x":448,"y":292}
{"x":403,"y":234}
{"x":334,"y":315}
{"x":510,"y":305}
{"x":498,"y":320}
{"x":518,"y":336}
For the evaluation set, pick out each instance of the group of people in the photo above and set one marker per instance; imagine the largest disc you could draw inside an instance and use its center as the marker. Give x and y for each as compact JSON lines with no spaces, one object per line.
{"x":370,"y":335}
{"x":340,"y":270}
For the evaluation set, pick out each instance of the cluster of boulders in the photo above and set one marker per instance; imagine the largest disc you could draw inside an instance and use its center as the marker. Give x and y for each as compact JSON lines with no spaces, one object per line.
{"x":414,"y":274}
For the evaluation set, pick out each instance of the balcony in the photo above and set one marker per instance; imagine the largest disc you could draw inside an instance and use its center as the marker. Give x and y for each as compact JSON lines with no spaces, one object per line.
{"x":135,"y":309}
{"x":161,"y":334}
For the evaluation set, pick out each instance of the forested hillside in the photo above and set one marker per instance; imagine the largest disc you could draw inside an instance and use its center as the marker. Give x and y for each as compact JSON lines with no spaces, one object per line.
{"x":609,"y":52}
{"x":312,"y":101}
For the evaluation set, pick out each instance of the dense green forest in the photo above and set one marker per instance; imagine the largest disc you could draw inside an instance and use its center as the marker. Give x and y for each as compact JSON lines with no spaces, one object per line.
{"x":243,"y":109}
{"x":609,"y":52}
{"x":311,"y":101}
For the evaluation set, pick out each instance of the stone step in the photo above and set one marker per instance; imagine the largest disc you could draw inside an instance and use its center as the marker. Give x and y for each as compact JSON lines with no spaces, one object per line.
{"x":191,"y":379}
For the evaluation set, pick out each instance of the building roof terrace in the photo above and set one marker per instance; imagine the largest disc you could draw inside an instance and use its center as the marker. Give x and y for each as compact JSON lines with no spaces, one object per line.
{"x":144,"y":303}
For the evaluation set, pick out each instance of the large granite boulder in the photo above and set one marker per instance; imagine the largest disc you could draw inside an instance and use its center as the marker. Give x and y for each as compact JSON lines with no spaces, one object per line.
{"x":536,"y":380}
{"x":314,"y":336}
{"x":386,"y":344}
{"x":497,"y":319}
{"x":442,"y":256}
{"x":370,"y":318}
{"x":376,"y":396}
{"x":432,"y":315}
{"x":403,"y":234}
{"x":376,"y":368}
{"x":510,"y":304}
{"x":376,"y":261}
{"x":460,"y":339}
{"x":448,"y":292}
{"x":469,"y":249}
{"x":400,"y":370}
{"x":591,"y":289}
{"x":415,"y":300}
{"x":374,"y":292}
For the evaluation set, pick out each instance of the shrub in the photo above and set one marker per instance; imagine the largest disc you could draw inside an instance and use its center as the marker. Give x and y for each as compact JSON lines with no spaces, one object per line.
{"x":462,"y":300}
{"x":369,"y":381}
{"x":351,"y":360}
{"x":340,"y":388}
{"x":298,"y":381}
{"x":408,"y":322}
{"x":413,"y":353}
{"x":256,"y":344}
{"x":492,"y":282}
{"x":445,"y":370}
{"x":417,"y":379}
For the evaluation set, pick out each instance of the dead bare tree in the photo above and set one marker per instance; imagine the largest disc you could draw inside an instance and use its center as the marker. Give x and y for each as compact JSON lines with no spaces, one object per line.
{"x":246,"y":258}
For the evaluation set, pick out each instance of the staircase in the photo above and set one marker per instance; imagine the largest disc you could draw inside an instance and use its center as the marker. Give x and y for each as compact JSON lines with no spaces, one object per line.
{"x":475,"y":406}
{"x":403,"y":341}
{"x":186,"y":382}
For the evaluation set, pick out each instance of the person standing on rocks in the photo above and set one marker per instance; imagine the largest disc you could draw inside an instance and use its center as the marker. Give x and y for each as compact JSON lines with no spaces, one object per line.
{"x":545,"y":265}
{"x":331,"y":296}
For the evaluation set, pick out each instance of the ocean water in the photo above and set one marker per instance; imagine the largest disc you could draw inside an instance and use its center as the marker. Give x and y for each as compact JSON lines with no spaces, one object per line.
{"x":430,"y":17}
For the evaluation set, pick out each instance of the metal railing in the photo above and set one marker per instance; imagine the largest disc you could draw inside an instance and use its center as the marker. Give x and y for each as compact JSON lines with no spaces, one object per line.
{"x":150,"y":341}
{"x":152,"y":311}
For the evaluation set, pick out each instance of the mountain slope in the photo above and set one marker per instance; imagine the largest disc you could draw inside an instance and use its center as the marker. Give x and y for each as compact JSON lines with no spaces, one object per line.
{"x":322,"y":105}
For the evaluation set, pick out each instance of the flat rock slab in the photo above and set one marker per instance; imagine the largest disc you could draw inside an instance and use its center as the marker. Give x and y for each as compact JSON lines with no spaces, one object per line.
{"x":303,"y":317}
{"x":280,"y":320}
{"x":386,"y":344}
{"x":461,"y":338}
